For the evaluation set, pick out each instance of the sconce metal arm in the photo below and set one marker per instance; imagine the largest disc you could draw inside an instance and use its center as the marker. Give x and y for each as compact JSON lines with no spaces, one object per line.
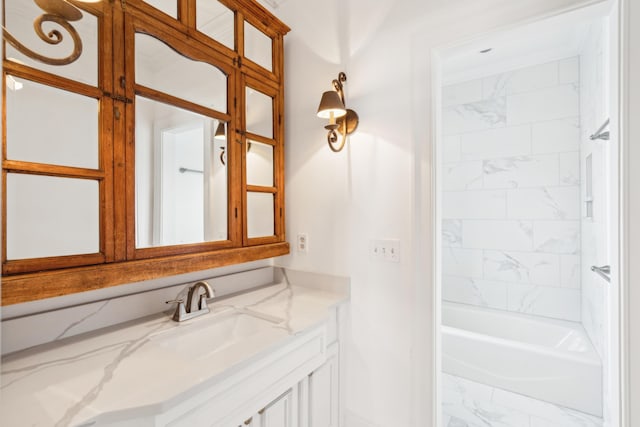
{"x":337,"y":85}
{"x":346,"y":124}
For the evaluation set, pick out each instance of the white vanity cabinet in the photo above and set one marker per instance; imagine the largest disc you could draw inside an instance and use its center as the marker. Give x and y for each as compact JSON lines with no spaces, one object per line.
{"x":321,"y":394}
{"x":315,"y":400}
{"x":279,"y":413}
{"x":265,"y":358}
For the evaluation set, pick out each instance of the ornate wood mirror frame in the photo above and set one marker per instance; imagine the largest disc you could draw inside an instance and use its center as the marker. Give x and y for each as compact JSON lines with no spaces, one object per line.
{"x":52,"y":202}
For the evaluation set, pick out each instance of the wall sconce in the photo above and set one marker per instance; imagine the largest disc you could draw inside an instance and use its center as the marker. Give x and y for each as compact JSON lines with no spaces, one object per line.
{"x":341,"y":119}
{"x":61,"y":12}
{"x":220,"y":133}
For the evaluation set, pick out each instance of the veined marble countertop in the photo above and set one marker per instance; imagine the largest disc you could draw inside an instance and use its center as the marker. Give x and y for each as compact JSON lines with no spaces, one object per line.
{"x":153,"y":363}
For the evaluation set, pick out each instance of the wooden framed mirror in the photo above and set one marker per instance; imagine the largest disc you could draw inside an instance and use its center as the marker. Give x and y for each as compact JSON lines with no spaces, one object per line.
{"x":159,"y":151}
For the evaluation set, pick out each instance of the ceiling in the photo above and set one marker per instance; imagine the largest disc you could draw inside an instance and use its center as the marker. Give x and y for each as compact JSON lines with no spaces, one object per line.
{"x":534,"y":43}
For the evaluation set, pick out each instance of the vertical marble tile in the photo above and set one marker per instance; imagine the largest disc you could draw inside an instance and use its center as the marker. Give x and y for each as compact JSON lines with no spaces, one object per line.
{"x":522,"y":267}
{"x":495,"y":86}
{"x":560,"y":237}
{"x":476,"y":116}
{"x":557,"y":415}
{"x":464,"y":388}
{"x":547,"y":104}
{"x":482,"y":412}
{"x":456,"y":422}
{"x":555,"y":136}
{"x":501,"y":142}
{"x":462,"y":93}
{"x":462,"y":176}
{"x":450,"y":148}
{"x":569,"y":168}
{"x":451,"y":233}
{"x":570,"y":271}
{"x":544,"y":203}
{"x":569,"y":70}
{"x":533,"y":78}
{"x":593,"y":311}
{"x":558,"y":303}
{"x":525,"y":130}
{"x":568,"y":419}
{"x":522,"y":171}
{"x":483,"y":204}
{"x":499,"y":235}
{"x":462,"y":262}
{"x":461,"y":396}
{"x":478,"y":292}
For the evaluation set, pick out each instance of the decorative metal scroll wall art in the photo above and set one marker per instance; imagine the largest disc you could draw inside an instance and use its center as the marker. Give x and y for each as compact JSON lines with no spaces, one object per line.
{"x":60,"y":12}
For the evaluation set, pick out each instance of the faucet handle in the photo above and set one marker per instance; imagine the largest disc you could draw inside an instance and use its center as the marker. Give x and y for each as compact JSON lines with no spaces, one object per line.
{"x":180,"y":312}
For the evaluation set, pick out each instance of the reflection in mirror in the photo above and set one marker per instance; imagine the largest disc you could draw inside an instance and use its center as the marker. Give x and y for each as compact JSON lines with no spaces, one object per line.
{"x":18,"y":18}
{"x":259,"y":164}
{"x":257,"y":46}
{"x":170,"y":7}
{"x":161,"y":68}
{"x":75,"y":144}
{"x":51,"y":216}
{"x":216,"y":21}
{"x":181,"y":184}
{"x":260,"y":211}
{"x":259,"y":108}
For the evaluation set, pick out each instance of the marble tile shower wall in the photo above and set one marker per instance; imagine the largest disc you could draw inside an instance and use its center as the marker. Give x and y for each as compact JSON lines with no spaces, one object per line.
{"x":511,"y":191}
{"x":594,"y":108}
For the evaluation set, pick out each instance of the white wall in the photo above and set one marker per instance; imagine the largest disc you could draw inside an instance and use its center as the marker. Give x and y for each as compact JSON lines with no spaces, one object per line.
{"x":511,"y":193}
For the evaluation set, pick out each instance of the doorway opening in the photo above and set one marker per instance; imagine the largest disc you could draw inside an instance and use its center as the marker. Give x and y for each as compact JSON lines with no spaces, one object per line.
{"x":527,"y":178}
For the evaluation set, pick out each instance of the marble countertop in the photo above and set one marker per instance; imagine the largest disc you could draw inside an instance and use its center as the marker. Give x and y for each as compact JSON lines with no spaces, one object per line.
{"x":153,"y":363}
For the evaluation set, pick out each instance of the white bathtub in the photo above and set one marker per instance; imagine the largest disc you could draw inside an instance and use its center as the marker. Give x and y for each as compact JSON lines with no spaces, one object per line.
{"x":547,"y":359}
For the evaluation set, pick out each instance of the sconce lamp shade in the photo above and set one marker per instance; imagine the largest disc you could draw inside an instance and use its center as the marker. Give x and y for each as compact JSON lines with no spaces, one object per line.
{"x":331,"y":105}
{"x":220,"y":134}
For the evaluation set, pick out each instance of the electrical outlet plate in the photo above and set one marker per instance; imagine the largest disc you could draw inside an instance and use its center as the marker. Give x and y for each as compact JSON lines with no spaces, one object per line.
{"x":302,"y":243}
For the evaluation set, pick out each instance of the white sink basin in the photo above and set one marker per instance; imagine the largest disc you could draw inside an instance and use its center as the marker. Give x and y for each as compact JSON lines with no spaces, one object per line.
{"x":201,"y":337}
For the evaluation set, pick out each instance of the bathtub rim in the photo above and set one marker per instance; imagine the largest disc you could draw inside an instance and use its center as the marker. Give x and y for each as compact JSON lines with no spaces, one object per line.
{"x":591,"y":356}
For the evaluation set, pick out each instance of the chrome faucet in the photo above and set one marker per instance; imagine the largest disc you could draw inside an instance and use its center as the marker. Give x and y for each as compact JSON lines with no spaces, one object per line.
{"x":196,"y":304}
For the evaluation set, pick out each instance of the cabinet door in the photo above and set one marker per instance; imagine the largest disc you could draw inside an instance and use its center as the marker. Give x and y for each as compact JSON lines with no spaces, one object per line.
{"x":324,"y":395}
{"x":248,"y":423}
{"x":279,"y":413}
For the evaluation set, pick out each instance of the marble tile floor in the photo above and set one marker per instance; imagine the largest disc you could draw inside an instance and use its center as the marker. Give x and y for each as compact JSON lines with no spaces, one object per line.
{"x":469,"y":404}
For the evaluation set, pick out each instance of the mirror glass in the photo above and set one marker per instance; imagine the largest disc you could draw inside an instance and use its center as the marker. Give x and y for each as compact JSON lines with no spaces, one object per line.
{"x":181,"y":182}
{"x":257,"y":46}
{"x":161,"y":68}
{"x":216,"y":21}
{"x":260,"y":220}
{"x":67,"y":125}
{"x":170,"y":7}
{"x":259,"y":113}
{"x":51,"y":216}
{"x":18,"y":18}
{"x":259,"y":164}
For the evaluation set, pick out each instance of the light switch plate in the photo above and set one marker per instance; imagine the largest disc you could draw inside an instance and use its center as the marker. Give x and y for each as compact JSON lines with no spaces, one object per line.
{"x":392,"y":252}
{"x":387,"y":250}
